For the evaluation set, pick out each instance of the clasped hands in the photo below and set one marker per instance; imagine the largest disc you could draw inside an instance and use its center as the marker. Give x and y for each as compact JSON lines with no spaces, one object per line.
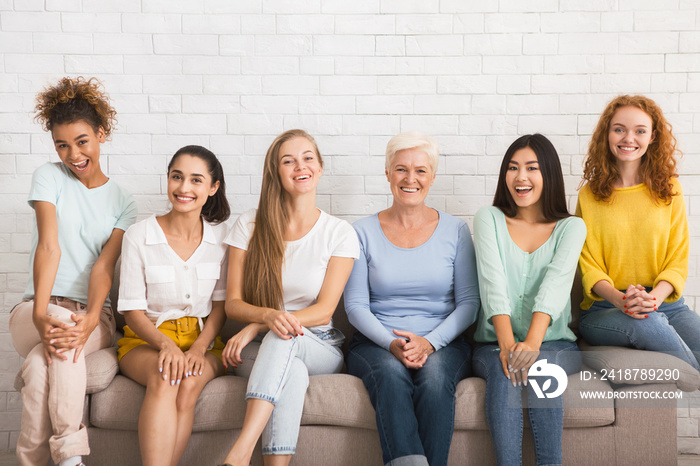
{"x":638,"y":303}
{"x":517,"y":359}
{"x":58,"y":337}
{"x":410,"y":349}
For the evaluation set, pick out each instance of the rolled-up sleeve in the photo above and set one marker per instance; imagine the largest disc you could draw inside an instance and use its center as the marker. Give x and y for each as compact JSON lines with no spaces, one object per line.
{"x":132,"y":277}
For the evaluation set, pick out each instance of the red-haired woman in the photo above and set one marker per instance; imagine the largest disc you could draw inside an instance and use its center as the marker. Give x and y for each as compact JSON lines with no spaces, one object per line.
{"x":635,"y":261}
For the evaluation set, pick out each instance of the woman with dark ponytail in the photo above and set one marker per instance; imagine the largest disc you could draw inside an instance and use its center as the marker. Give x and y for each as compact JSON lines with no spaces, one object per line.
{"x":172,"y":292}
{"x":80,"y":218}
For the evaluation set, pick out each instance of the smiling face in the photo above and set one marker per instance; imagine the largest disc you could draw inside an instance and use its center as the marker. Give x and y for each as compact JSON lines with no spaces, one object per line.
{"x":410,"y":177}
{"x":524,"y":178}
{"x":629,"y":135}
{"x":189,"y":184}
{"x":299,"y":166}
{"x":78,"y":146}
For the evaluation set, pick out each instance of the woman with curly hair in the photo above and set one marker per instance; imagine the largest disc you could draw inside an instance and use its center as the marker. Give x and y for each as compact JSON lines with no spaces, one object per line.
{"x":288,"y":264}
{"x":634,"y":263}
{"x":80,"y":218}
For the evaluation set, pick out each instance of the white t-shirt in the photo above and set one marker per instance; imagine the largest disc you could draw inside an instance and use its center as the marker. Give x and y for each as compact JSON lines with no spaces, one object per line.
{"x":155,"y":279}
{"x":85,"y":220}
{"x":306,"y":259}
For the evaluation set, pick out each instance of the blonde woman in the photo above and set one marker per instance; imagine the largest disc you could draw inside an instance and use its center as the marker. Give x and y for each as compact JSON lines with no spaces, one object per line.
{"x":288,"y":264}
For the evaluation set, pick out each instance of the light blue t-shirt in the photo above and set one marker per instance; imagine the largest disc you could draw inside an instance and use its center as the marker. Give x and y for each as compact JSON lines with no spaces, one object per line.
{"x":430,"y":290}
{"x":85,"y":217}
{"x":516,"y":283}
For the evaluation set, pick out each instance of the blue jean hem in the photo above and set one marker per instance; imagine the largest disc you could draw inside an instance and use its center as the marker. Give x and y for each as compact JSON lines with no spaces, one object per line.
{"x":261,"y":396}
{"x":278,"y":450}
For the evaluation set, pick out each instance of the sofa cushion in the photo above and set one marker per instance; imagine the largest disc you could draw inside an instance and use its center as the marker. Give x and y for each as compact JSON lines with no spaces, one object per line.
{"x":616,"y":359}
{"x":102,"y":366}
{"x":331,"y":400}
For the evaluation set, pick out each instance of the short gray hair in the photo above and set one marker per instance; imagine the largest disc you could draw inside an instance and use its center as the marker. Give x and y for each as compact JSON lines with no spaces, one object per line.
{"x":412,"y":140}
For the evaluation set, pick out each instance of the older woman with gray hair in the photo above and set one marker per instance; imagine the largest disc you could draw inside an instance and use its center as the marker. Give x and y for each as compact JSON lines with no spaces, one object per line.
{"x":411,"y":295}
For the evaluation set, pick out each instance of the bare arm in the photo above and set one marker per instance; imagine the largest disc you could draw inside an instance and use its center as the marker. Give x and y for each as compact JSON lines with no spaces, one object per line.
{"x":46,"y":259}
{"x":283,"y":323}
{"x":101,"y":278}
{"x":321,"y":312}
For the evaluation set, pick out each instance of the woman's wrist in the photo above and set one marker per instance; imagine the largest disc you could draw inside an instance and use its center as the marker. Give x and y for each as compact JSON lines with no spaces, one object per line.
{"x":198,"y":347}
{"x":533,"y":343}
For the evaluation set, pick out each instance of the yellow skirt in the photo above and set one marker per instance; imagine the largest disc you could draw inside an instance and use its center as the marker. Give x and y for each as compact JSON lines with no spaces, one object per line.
{"x":183,"y":331}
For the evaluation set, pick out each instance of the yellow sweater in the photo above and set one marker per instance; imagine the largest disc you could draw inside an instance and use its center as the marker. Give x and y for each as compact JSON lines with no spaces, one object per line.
{"x":631,"y":240}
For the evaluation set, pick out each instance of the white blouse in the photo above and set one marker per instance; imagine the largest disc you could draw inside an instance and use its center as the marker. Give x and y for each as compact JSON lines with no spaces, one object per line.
{"x":155,"y":279}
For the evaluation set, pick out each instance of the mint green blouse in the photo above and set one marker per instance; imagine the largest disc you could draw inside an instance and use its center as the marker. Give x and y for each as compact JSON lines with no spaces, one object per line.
{"x":516,"y":283}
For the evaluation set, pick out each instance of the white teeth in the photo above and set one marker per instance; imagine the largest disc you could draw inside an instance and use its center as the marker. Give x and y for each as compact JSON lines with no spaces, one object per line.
{"x":523,"y":188}
{"x":409,"y":190}
{"x":629,"y":148}
{"x":302,"y":177}
{"x":80,"y":165}
{"x":184,"y":198}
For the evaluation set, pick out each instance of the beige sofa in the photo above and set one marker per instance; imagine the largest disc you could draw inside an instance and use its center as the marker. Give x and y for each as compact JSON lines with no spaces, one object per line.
{"x":338,"y":426}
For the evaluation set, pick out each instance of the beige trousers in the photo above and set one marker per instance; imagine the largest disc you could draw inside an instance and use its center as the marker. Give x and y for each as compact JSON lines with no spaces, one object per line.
{"x":54,"y":394}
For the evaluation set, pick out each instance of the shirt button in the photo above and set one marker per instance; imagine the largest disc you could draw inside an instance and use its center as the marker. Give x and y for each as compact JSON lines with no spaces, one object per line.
{"x":187,"y":296}
{"x":524,"y":275}
{"x":186,"y":268}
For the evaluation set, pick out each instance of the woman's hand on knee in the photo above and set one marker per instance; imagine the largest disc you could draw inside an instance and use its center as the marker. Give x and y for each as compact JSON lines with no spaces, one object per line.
{"x":195,"y":359}
{"x":284,"y":324}
{"x":76,"y":336}
{"x":172,"y":362}
{"x":45,"y":324}
{"x":231,"y":355}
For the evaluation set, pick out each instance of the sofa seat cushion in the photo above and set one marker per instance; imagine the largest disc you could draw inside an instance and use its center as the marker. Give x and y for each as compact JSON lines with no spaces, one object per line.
{"x":616,"y":360}
{"x":101,"y":367}
{"x":331,"y":400}
{"x":220,"y":406}
{"x":470,"y":413}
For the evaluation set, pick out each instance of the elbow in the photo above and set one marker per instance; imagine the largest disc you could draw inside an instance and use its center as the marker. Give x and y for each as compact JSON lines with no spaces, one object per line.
{"x":231,"y":308}
{"x":49,"y":249}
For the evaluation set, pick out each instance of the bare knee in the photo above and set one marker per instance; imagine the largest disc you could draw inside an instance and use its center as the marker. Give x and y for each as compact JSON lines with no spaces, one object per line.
{"x":188,"y":394}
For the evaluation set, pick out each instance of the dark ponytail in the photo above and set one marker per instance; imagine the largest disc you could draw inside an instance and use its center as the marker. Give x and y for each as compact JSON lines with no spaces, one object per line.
{"x":216,"y":209}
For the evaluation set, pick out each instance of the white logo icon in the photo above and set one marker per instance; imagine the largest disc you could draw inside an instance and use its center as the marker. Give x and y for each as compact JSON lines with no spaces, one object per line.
{"x":546,"y":371}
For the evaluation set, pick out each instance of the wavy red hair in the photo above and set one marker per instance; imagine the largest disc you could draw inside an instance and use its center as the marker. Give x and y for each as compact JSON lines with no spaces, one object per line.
{"x":658,"y":164}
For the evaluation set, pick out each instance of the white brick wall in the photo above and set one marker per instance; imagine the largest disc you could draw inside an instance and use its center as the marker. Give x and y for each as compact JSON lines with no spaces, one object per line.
{"x":232,"y":75}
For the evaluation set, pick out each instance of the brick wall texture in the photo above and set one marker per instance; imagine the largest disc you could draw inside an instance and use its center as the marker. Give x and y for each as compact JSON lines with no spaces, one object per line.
{"x":232,"y":75}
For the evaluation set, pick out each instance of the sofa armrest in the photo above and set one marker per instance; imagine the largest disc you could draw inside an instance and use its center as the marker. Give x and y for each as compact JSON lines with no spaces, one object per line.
{"x":617,"y":358}
{"x":102,"y":366}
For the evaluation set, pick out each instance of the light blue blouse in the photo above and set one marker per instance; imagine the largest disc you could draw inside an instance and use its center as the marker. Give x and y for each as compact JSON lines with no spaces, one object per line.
{"x":516,"y":283}
{"x":429,"y":290}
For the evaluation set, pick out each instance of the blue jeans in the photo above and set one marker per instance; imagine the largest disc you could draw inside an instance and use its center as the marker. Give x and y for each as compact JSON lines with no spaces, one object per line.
{"x":414,"y":408}
{"x":674,"y":329}
{"x":504,"y":413}
{"x":280,"y":375}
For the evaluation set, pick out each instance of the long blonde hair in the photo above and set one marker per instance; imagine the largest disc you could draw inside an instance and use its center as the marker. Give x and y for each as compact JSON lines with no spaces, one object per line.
{"x":262,"y":270}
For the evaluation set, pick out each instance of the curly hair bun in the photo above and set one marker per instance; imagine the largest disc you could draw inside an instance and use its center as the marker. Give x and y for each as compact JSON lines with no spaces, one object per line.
{"x":75,"y":99}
